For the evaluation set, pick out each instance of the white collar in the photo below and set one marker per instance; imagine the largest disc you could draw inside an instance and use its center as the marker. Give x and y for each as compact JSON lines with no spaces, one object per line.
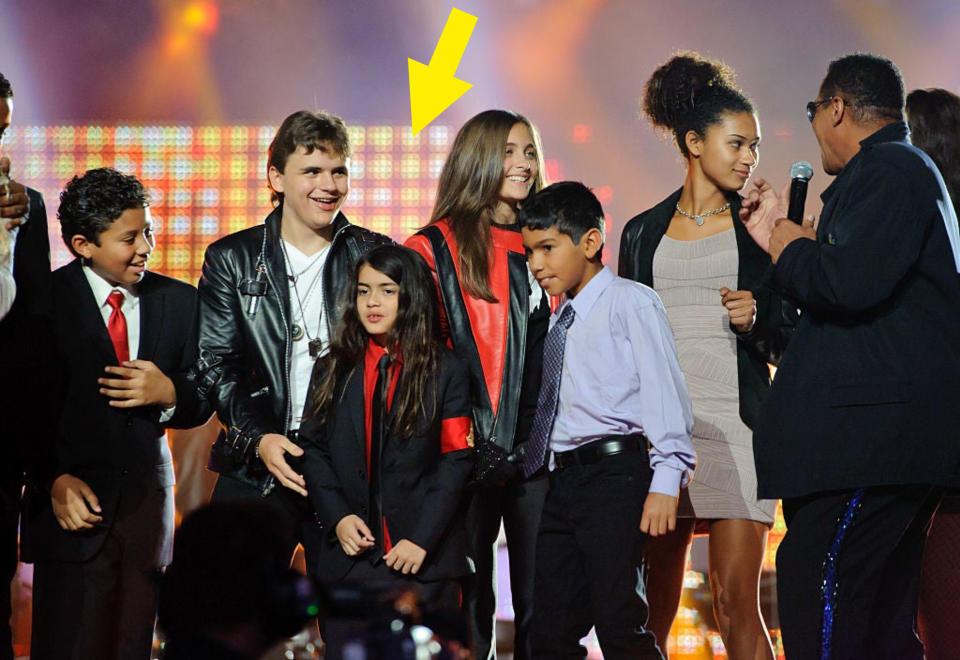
{"x":102,"y":288}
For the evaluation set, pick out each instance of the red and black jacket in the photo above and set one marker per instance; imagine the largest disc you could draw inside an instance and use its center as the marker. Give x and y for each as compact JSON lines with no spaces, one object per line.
{"x":490,"y":338}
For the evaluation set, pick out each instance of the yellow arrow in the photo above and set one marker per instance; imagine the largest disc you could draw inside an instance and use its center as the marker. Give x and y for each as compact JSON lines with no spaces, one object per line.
{"x":434,"y":87}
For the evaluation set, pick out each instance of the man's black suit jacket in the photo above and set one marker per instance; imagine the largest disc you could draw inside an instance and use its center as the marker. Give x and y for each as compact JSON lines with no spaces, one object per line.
{"x":422,"y":485}
{"x":866,"y":393}
{"x":25,"y":335}
{"x":112,"y":449}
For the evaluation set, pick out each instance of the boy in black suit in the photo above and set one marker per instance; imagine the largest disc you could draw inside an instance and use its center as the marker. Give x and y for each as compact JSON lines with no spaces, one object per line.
{"x":99,"y":516}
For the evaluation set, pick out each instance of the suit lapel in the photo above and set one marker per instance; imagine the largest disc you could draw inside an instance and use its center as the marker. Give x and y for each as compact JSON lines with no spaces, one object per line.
{"x":151,"y":318}
{"x":353,"y":399}
{"x":82,"y":308}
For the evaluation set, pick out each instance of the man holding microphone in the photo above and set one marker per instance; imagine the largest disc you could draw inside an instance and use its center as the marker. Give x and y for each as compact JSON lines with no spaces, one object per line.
{"x":859,"y":433}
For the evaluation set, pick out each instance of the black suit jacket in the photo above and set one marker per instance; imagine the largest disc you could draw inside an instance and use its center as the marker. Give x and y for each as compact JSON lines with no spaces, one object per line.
{"x":422,"y":485}
{"x":25,"y":336}
{"x":112,"y":449}
{"x":776,"y":317}
{"x":866,"y":394}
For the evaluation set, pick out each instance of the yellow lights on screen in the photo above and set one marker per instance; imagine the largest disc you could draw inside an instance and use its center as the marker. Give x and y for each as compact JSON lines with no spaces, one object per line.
{"x":208,"y":181}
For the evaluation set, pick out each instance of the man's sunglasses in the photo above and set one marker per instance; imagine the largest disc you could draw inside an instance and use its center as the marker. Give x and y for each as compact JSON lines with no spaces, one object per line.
{"x":813,"y":105}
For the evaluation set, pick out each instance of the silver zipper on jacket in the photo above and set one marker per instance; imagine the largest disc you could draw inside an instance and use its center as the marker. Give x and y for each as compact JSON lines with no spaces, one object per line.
{"x":286,"y":353}
{"x":288,"y":405}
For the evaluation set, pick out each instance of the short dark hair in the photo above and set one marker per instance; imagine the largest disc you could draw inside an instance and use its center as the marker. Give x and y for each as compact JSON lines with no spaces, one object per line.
{"x":92,"y":202}
{"x":310,"y":130}
{"x":569,"y":206}
{"x":6,"y":91}
{"x":870,"y":84}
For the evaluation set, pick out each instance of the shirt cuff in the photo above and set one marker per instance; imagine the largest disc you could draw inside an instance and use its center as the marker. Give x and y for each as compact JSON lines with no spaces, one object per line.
{"x":166,"y":414}
{"x":666,"y":480}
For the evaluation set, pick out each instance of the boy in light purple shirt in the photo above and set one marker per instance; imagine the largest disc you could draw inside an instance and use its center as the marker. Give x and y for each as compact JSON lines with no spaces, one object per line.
{"x":613,"y":424}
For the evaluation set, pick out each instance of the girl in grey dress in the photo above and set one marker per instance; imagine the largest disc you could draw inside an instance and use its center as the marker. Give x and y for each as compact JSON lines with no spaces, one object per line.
{"x":694,"y":251}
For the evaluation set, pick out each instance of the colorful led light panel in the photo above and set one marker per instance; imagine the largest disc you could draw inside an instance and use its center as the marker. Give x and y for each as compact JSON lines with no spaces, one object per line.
{"x":208,"y":181}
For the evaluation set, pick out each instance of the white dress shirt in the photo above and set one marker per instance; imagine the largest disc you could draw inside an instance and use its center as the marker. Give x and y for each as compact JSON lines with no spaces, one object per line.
{"x":308,"y":294}
{"x":621,"y":377}
{"x":8,"y":286}
{"x":131,"y":312}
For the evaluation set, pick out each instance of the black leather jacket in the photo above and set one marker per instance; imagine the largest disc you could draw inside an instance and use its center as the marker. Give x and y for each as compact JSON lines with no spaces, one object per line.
{"x":244,"y":335}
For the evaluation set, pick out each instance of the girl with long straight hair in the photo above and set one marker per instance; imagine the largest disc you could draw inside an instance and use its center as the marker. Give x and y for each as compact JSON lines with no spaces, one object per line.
{"x":494,"y":315}
{"x":388,"y":446}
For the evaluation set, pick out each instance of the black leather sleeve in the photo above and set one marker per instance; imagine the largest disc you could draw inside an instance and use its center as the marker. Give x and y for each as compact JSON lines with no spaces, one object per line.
{"x":627,"y":264}
{"x":771,"y":332}
{"x":192,"y":409}
{"x":222,"y":356}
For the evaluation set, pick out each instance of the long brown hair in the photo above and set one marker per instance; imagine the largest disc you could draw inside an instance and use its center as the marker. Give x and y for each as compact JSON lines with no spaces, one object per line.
{"x":934,"y":119}
{"x":468,"y":189}
{"x":413,"y":338}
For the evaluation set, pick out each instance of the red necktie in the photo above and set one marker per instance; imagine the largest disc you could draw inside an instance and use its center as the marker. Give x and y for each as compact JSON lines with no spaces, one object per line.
{"x":117,"y":327}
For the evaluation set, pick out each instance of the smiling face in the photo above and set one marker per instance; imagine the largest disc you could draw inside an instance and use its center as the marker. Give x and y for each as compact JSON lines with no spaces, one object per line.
{"x":729,"y":151}
{"x":121,"y":251}
{"x":377,"y":302}
{"x":520,"y":168}
{"x":314,"y":186}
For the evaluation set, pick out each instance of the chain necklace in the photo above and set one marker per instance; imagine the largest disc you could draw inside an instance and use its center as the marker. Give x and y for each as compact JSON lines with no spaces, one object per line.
{"x":298,"y":331}
{"x":698,"y":218}
{"x":293,"y":277}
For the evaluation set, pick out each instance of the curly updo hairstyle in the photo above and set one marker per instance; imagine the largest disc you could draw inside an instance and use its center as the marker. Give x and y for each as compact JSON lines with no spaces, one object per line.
{"x":691,"y":93}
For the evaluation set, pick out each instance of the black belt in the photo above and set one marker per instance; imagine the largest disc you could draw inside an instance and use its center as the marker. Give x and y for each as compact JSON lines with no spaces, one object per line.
{"x":594,"y":451}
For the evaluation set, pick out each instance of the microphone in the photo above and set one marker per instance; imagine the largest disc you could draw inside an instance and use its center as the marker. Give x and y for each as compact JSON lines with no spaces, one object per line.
{"x":800,"y":173}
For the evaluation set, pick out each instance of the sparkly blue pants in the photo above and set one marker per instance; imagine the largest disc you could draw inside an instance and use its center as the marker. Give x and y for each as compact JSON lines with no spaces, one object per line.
{"x":848,"y":572}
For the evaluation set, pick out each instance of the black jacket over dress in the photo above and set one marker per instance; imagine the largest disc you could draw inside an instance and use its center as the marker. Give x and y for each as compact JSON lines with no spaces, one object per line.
{"x":111,"y":449}
{"x":776,"y":317}
{"x":421,"y":485}
{"x":867,"y":393}
{"x":244,"y":335}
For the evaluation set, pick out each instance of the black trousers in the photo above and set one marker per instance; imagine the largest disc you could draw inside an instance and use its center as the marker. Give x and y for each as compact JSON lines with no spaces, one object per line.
{"x":519,"y":506}
{"x":295,"y":508}
{"x":105,"y":607}
{"x":589,"y":553}
{"x":11,"y":484}
{"x":339,"y":632}
{"x":848,"y":573}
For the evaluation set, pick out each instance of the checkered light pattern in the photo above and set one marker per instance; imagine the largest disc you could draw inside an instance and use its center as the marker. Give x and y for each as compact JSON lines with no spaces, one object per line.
{"x":208,"y":181}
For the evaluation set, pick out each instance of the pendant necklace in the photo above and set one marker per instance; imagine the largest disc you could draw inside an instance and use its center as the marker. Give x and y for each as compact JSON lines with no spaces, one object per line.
{"x":698,"y":217}
{"x":298,"y":331}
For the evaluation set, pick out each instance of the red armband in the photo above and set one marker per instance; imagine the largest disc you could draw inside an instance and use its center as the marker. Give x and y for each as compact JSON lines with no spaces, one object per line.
{"x":456,"y":433}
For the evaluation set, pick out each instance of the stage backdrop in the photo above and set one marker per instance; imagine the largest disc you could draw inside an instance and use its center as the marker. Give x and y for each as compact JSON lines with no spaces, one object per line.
{"x":208,"y":181}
